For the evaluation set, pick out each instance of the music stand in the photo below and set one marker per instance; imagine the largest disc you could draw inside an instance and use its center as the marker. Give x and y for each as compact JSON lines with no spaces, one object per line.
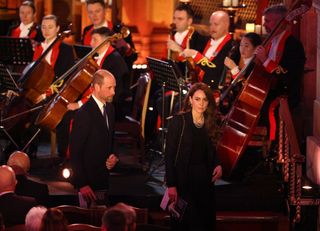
{"x":15,"y":51}
{"x":7,"y":81}
{"x":168,"y":76}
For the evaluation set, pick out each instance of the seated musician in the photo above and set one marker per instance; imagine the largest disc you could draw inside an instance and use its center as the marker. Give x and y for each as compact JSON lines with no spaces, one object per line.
{"x":97,"y":14}
{"x":109,"y":59}
{"x":247,"y":47}
{"x":57,"y":56}
{"x":211,"y":60}
{"x":61,"y":58}
{"x":27,"y":28}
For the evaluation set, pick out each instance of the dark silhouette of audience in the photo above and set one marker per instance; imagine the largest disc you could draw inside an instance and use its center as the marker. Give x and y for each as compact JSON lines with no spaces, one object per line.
{"x":12,"y":206}
{"x":20,"y":163}
{"x":54,"y":220}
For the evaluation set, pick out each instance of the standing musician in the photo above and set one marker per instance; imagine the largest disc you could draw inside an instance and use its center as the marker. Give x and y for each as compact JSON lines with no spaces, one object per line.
{"x":284,"y":59}
{"x":184,"y":35}
{"x":27,"y":27}
{"x":211,"y":60}
{"x":61,"y":58}
{"x":109,"y":59}
{"x":97,"y":14}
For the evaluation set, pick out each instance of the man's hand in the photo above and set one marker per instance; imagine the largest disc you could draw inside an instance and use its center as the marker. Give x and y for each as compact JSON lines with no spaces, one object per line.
{"x":111,"y":161}
{"x":73,"y":106}
{"x":217,"y":173}
{"x":188,"y":53}
{"x":172,"y":193}
{"x":172,"y":45}
{"x":260,"y":53}
{"x":87,"y":193}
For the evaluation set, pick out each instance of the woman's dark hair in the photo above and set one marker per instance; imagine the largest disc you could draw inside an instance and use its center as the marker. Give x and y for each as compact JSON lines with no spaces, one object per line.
{"x":30,"y":4}
{"x":53,"y":220}
{"x":210,"y":115}
{"x":254,"y":38}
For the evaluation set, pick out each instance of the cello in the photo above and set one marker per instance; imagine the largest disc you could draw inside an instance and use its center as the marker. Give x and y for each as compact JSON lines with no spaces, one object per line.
{"x":242,"y":118}
{"x":34,"y":81}
{"x":37,"y":76}
{"x":80,"y":80}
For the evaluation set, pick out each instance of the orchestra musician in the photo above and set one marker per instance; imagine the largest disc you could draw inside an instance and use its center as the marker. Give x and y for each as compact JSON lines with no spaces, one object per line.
{"x":27,"y":28}
{"x":284,"y":58}
{"x":211,"y":60}
{"x":182,"y":36}
{"x":247,"y":47}
{"x":61,"y":58}
{"x":97,"y":14}
{"x":109,"y":59}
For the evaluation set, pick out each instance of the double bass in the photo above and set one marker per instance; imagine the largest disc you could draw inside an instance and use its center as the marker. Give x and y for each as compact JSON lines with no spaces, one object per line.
{"x":242,"y":118}
{"x":78,"y":82}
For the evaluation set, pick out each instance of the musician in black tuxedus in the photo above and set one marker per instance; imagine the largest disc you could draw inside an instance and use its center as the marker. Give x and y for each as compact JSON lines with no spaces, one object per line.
{"x":91,"y":141}
{"x":284,"y":59}
{"x":26,"y":28}
{"x":97,"y":14}
{"x":20,"y":163}
{"x":244,"y":59}
{"x":211,"y":59}
{"x":182,"y":35}
{"x":12,"y":206}
{"x":61,"y":58}
{"x":108,"y":58}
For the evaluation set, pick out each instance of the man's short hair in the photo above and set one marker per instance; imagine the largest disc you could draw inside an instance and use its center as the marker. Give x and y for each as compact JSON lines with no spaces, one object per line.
{"x":30,"y":4}
{"x":279,"y":9}
{"x":104,"y":31}
{"x":99,"y":76}
{"x":34,"y":218}
{"x":101,"y":2}
{"x":114,"y":220}
{"x":185,"y":7}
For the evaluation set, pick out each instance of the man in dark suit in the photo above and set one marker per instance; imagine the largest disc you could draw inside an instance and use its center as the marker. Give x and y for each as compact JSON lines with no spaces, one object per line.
{"x":13,"y":207}
{"x":91,"y":141}
{"x":20,"y":163}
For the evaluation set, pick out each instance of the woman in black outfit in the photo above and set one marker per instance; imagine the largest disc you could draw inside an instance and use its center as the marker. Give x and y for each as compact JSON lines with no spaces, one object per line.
{"x":191,"y":162}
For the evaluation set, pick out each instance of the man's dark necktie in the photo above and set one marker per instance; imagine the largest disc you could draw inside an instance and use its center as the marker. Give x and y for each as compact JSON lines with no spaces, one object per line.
{"x":105,"y":114}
